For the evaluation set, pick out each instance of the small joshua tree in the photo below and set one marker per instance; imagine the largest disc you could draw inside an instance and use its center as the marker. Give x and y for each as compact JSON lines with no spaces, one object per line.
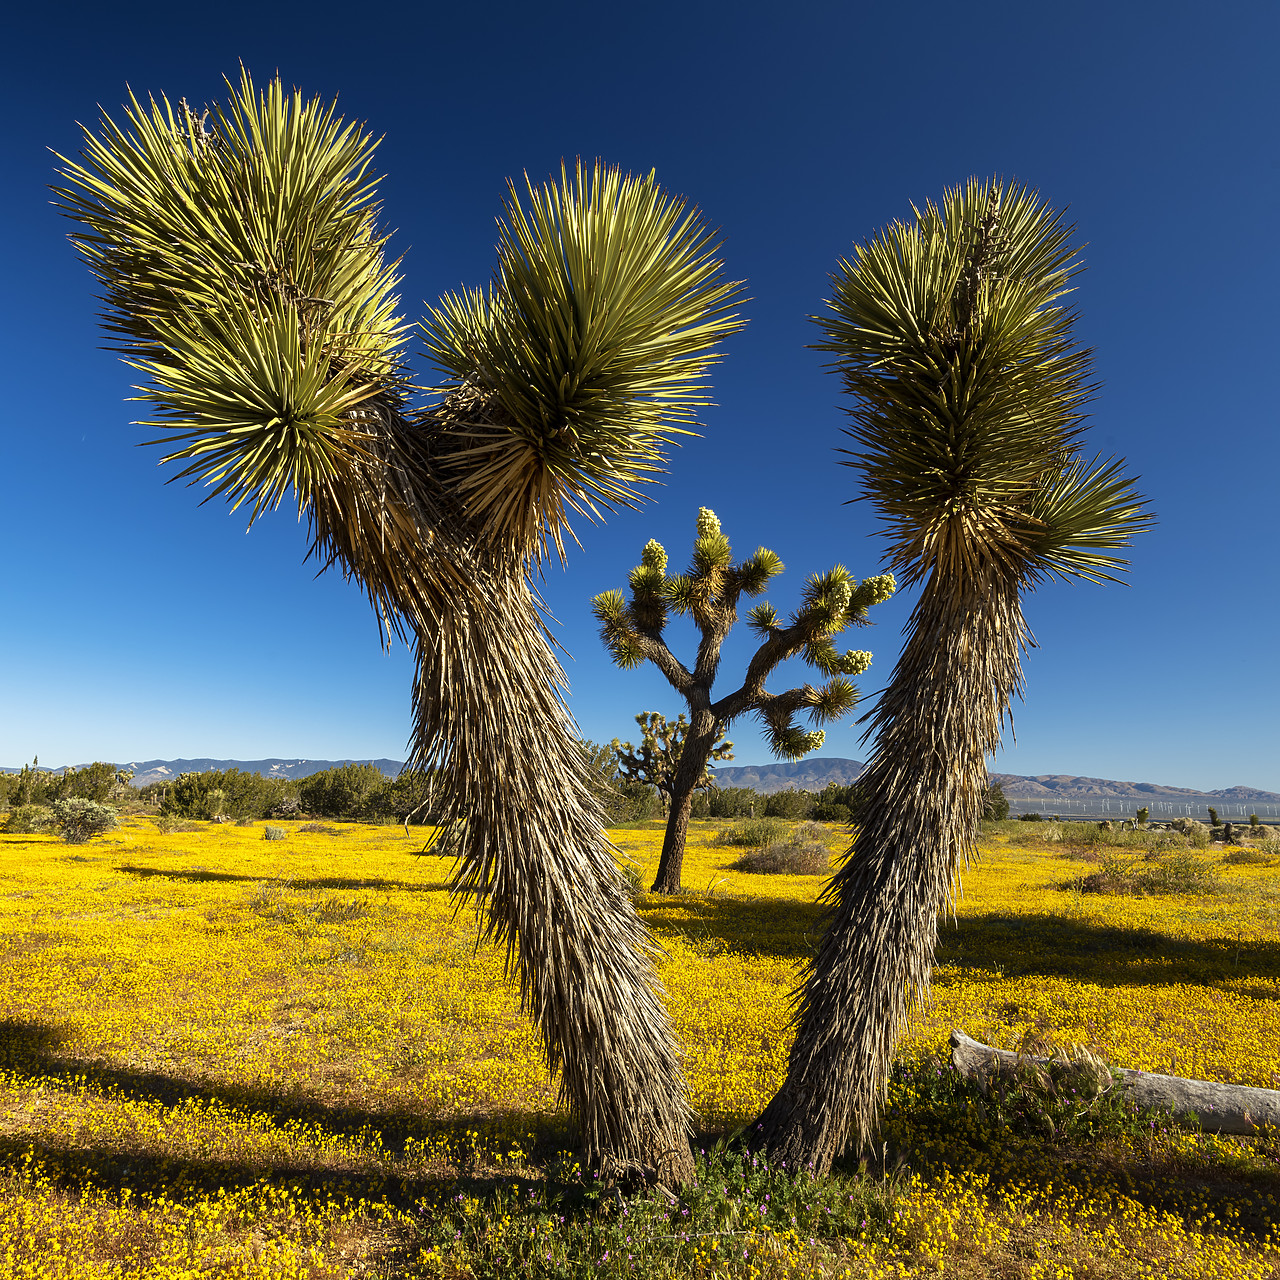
{"x":709,"y":592}
{"x":1143,"y":814}
{"x":1213,"y":816}
{"x":657,"y":761}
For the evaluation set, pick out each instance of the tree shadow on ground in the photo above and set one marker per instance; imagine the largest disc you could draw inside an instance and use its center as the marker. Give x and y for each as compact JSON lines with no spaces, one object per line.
{"x":1001,"y":944}
{"x":295,"y":882}
{"x":41,"y":1051}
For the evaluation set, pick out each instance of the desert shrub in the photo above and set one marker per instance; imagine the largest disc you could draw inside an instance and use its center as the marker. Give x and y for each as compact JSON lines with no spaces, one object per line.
{"x":167,"y":823}
{"x":273,"y":833}
{"x":732,"y":802}
{"x":244,"y":822}
{"x":840,"y":813}
{"x":346,"y":791}
{"x":229,"y":793}
{"x":995,"y":804}
{"x":1160,"y":872}
{"x":803,"y":853}
{"x":80,"y":820}
{"x":30,"y":820}
{"x":1143,"y":814}
{"x":1248,"y":858}
{"x":630,"y":801}
{"x":835,"y":803}
{"x":1176,"y":872}
{"x":1031,"y":817}
{"x":316,"y":828}
{"x":790,"y":804}
{"x":753,"y":833}
{"x":284,"y":806}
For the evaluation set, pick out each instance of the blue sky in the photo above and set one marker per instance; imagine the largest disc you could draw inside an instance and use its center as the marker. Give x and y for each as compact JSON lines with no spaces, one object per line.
{"x":139,"y":624}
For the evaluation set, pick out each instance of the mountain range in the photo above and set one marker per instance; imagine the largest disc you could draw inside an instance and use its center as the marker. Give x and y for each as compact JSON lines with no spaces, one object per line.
{"x":816,"y":773}
{"x":804,"y":775}
{"x":148,"y":771}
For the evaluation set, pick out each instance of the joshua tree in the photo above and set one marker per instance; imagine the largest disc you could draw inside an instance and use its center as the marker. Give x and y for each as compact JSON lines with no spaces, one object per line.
{"x":709,"y":592}
{"x":657,"y":762}
{"x":244,"y":275}
{"x":951,"y":335}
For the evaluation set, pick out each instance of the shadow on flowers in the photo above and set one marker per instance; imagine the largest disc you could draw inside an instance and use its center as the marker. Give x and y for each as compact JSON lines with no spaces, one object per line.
{"x":198,"y":875}
{"x":1104,"y":954}
{"x":1002,"y":944}
{"x":99,"y":1123}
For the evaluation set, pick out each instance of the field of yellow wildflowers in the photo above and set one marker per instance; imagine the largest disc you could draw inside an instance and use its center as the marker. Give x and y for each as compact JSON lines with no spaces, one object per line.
{"x":226,"y":1056}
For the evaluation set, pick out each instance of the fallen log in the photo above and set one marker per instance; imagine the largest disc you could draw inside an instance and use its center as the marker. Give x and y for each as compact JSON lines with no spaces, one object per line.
{"x":1220,"y":1108}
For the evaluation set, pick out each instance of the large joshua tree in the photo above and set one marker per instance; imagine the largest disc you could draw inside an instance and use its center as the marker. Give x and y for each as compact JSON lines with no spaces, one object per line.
{"x":951,"y":334}
{"x":245,"y":277}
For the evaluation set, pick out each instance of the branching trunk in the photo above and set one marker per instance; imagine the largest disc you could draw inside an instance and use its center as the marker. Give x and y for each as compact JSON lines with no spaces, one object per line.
{"x":531,"y":846}
{"x":936,"y":723}
{"x":698,"y":745}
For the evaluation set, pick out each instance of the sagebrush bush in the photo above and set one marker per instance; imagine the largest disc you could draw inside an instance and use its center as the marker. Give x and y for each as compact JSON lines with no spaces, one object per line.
{"x":752,"y":833}
{"x":1160,"y":872}
{"x":1248,"y":857}
{"x":273,"y":833}
{"x":80,"y":820}
{"x":803,"y":853}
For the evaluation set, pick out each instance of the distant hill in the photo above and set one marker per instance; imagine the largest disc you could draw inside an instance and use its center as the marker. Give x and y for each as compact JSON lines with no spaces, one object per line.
{"x":1059,"y":786}
{"x":804,"y":775}
{"x":148,"y":771}
{"x":816,"y":773}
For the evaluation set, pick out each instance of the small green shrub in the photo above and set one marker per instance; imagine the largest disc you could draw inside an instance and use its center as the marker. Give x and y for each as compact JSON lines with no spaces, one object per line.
{"x":1031,"y":817}
{"x":273,"y":833}
{"x":168,"y":823}
{"x":1160,"y":872}
{"x":30,"y":820}
{"x":995,"y":804}
{"x":840,"y":813}
{"x":753,"y":833}
{"x":1248,"y":858}
{"x":80,"y":820}
{"x":790,"y":804}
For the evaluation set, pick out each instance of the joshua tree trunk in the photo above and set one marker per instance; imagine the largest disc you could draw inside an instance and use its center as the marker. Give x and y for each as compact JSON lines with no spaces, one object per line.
{"x":531,"y":847}
{"x":518,"y":809}
{"x":698,"y":743}
{"x":937,"y":721}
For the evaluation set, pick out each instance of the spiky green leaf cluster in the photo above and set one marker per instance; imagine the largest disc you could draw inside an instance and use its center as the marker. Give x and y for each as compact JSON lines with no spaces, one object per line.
{"x":593,"y":341}
{"x":244,"y":275}
{"x":952,"y":334}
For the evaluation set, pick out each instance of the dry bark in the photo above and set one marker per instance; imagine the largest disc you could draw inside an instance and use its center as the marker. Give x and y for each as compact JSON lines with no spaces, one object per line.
{"x":1219,"y":1107}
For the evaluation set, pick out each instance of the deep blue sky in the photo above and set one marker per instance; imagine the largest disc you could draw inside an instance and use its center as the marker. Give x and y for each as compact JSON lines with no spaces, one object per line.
{"x":139,"y":624}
